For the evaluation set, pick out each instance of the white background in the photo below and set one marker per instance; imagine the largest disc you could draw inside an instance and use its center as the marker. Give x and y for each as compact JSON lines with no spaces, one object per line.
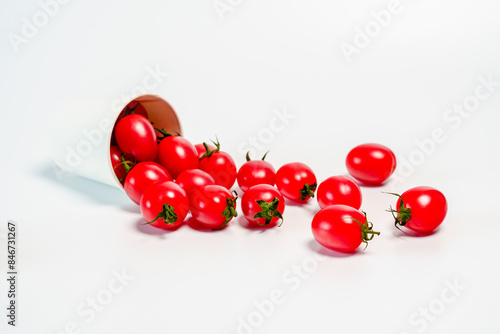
{"x":226,"y":76}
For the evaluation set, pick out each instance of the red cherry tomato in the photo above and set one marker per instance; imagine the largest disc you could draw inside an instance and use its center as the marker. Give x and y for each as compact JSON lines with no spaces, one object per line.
{"x":341,"y":228}
{"x":177,"y":154}
{"x":339,"y":190}
{"x":142,"y":176}
{"x":133,"y":108}
{"x":296,"y":181}
{"x":371,"y":163}
{"x":421,"y":209}
{"x":200,"y":148}
{"x":213,"y":206}
{"x":164,"y":205}
{"x":263,"y":205}
{"x":136,"y":136}
{"x":193,"y":179}
{"x":121,"y":163}
{"x":220,"y":166}
{"x":255,"y":172}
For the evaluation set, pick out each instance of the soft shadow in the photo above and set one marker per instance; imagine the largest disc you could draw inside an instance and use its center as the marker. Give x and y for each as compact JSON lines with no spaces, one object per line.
{"x":151,"y":230}
{"x":311,"y":206}
{"x":243,"y":222}
{"x":131,"y":207}
{"x":367,"y":185}
{"x":193,"y":223}
{"x":90,"y":189}
{"x":317,"y":248}
{"x":412,"y":234}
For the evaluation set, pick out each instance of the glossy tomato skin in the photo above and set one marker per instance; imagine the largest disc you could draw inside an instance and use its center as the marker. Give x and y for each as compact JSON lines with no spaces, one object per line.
{"x":208,"y":205}
{"x":339,"y":190}
{"x":334,"y":228}
{"x":200,"y":148}
{"x":371,"y":163}
{"x":142,"y":176}
{"x":292,"y":178}
{"x":221,"y":167}
{"x":256,"y":172}
{"x":177,"y":154}
{"x":428,"y":208}
{"x":159,"y":194}
{"x":193,"y":179}
{"x":250,"y":206}
{"x":135,"y":135}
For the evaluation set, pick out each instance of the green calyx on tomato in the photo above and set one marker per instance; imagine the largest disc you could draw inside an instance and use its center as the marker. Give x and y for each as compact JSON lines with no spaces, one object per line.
{"x":403,"y":213}
{"x":208,"y":151}
{"x":269,"y":211}
{"x":263,"y":158}
{"x":230,"y":210}
{"x":126,"y":163}
{"x":308,"y":191}
{"x":131,"y":111}
{"x":367,"y":232}
{"x":164,"y":134}
{"x":167,"y":214}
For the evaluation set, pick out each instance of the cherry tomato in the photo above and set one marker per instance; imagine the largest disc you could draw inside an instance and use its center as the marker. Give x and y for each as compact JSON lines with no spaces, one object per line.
{"x":135,"y":135}
{"x":193,"y":179}
{"x":255,"y":172}
{"x":213,"y":206}
{"x":296,"y":181}
{"x":341,"y":228}
{"x":164,"y":205}
{"x":142,"y":176}
{"x":200,"y":148}
{"x":339,"y":190}
{"x":219,"y":165}
{"x":122,"y":163}
{"x":177,"y":154}
{"x":421,"y":209}
{"x":371,"y":163}
{"x":133,"y":108}
{"x":263,"y":205}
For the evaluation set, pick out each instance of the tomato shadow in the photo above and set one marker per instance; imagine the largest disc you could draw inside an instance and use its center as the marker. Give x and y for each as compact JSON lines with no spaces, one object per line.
{"x":131,"y":207}
{"x":195,"y":225}
{"x":90,"y":190}
{"x":151,"y":230}
{"x":309,"y":206}
{"x":317,"y":248}
{"x":413,"y":234}
{"x":243,"y":222}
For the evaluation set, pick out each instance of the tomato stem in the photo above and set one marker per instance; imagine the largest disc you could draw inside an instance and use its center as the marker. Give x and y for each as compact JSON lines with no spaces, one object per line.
{"x":164,"y":134}
{"x":269,"y":211}
{"x":208,"y":151}
{"x":367,"y":232}
{"x":127,"y":164}
{"x":403,"y":213}
{"x":263,"y":158}
{"x":307,"y":191}
{"x":167,"y":214}
{"x":129,"y":111}
{"x":230,"y":210}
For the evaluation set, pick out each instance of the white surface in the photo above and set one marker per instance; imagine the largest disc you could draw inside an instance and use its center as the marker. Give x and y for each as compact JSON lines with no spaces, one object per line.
{"x":225,"y":78}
